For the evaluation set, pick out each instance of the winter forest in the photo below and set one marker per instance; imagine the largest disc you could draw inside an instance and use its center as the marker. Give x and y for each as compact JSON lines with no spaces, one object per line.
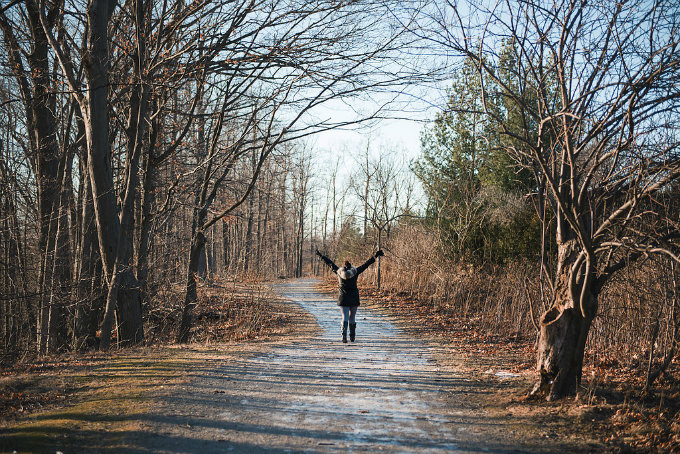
{"x":153,"y":149}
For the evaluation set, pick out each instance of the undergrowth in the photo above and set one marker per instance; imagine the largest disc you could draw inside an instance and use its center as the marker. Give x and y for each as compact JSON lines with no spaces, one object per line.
{"x":226,"y":312}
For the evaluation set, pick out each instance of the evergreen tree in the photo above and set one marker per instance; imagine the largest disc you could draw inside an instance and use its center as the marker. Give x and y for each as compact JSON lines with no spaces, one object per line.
{"x":473,"y":187}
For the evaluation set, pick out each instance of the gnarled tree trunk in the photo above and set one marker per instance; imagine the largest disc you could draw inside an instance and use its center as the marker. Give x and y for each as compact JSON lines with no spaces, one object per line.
{"x":565,"y":326}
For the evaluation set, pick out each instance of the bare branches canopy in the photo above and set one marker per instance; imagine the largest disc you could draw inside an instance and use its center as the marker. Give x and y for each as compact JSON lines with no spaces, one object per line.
{"x":134,"y":112}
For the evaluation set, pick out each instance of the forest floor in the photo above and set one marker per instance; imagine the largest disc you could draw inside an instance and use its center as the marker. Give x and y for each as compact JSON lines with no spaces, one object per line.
{"x":283,"y":382}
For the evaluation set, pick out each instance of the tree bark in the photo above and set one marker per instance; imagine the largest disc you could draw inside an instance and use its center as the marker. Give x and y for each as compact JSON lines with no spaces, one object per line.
{"x":55,"y":311}
{"x":565,"y":326}
{"x":96,"y":119}
{"x":191,"y":294}
{"x":40,"y":118}
{"x":87,"y":273}
{"x":249,"y":234}
{"x":378,"y":271}
{"x":144,"y":223}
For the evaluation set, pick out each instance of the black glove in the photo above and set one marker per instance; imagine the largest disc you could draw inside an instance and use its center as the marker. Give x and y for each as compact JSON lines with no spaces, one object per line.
{"x":379,"y":253}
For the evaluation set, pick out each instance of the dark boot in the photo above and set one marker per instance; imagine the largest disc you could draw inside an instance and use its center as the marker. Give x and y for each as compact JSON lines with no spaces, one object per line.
{"x":352,"y":331}
{"x":344,"y":332}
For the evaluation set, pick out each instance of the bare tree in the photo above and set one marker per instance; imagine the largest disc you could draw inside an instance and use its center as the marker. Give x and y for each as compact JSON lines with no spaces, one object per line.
{"x":600,"y":82}
{"x":93,"y":102}
{"x":387,"y":197}
{"x":158,"y":46}
{"x":139,"y":118}
{"x":301,"y":203}
{"x":30,"y":67}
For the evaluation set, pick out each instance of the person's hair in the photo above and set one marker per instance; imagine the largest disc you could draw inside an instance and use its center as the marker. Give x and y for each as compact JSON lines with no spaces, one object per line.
{"x":348,"y":265}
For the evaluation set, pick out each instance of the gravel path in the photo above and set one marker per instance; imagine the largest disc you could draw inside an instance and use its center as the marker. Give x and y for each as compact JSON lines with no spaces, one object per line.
{"x":384,"y":392}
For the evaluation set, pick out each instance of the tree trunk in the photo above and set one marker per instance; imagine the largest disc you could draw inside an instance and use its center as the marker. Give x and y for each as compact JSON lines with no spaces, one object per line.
{"x":84,"y":331}
{"x":129,"y":310}
{"x":282,"y":220}
{"x":258,"y":234}
{"x":145,"y":224}
{"x":18,"y":313}
{"x":191,"y":294}
{"x":565,"y":327}
{"x":227,"y":232}
{"x":198,"y":241}
{"x":378,"y":258}
{"x":267,"y":255}
{"x":39,"y":99}
{"x":111,"y":242}
{"x":43,"y":129}
{"x":56,"y":333}
{"x":202,"y":272}
{"x":249,"y":233}
{"x":300,"y":238}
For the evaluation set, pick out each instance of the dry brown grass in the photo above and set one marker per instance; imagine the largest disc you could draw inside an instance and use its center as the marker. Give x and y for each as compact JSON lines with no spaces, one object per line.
{"x":227,"y":311}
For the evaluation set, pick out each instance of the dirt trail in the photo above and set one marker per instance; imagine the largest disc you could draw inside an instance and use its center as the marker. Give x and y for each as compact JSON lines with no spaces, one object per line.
{"x":386,"y":392}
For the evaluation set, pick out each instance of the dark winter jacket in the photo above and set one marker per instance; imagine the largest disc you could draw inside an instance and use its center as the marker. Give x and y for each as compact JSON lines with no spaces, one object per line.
{"x":348,"y":293}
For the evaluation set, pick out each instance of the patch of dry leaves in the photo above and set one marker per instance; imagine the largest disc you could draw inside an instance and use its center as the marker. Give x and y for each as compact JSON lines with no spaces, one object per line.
{"x":225,"y":312}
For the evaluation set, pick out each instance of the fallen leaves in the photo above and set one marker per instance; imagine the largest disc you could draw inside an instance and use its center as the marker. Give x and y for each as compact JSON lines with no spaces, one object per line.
{"x":13,"y":404}
{"x":224,"y":313}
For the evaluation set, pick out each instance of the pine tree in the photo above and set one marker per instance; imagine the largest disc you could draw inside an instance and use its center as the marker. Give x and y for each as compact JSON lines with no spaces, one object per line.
{"x":472,"y":185}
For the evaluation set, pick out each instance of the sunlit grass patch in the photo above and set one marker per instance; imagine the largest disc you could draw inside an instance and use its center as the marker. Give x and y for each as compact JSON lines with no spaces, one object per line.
{"x":102,"y":400}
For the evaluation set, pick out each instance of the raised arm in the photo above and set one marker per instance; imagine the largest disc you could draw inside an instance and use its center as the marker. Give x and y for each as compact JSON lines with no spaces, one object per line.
{"x":327,"y":261}
{"x":369,"y":262}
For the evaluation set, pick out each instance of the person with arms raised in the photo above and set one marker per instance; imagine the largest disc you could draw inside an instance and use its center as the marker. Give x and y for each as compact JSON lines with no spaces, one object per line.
{"x":348,"y":293}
